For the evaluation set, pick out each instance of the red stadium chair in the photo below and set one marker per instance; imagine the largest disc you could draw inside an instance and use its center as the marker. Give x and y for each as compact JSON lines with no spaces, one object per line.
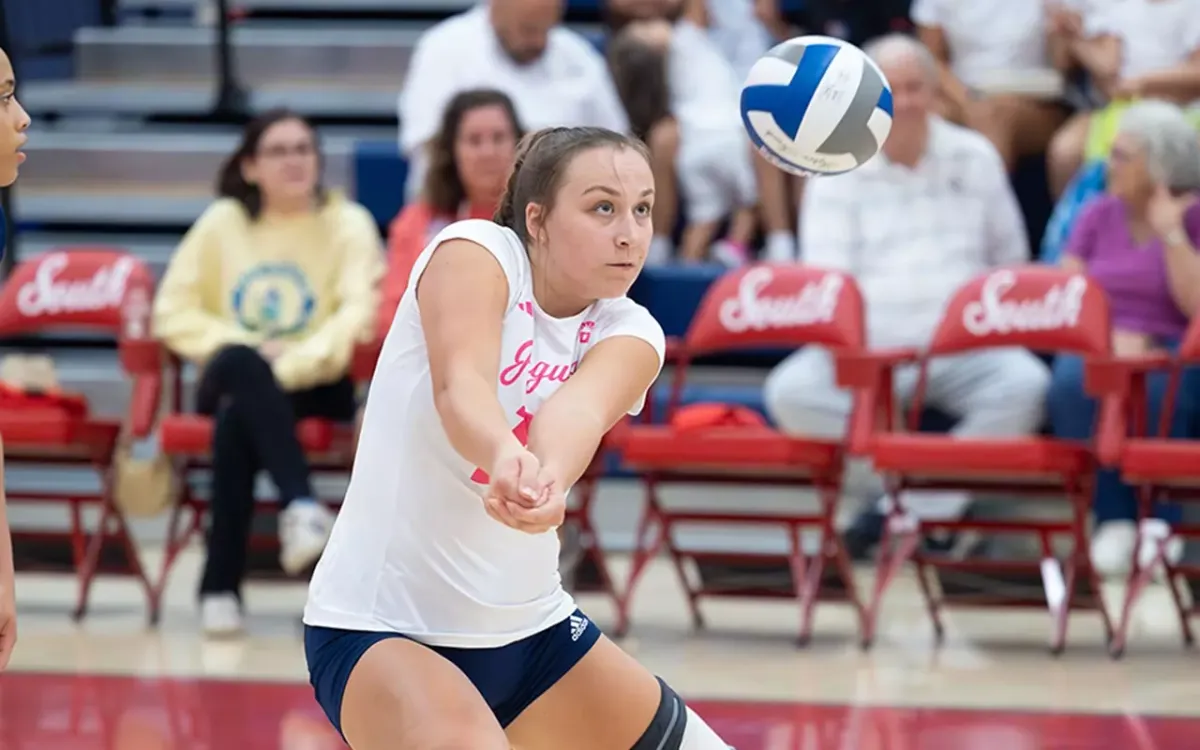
{"x":80,"y":290}
{"x":757,"y":307}
{"x":591,"y":572}
{"x":187,"y":438}
{"x":1161,"y":467}
{"x":1040,"y":308}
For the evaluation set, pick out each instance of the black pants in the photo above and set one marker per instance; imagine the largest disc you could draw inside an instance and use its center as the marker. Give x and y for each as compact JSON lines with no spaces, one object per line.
{"x":255,"y":429}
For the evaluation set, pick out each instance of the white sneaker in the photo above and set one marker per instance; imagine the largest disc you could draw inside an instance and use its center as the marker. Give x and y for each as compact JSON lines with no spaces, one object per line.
{"x":303,"y":531}
{"x":729,"y":254}
{"x":220,"y":615}
{"x":1112,"y":547}
{"x":780,"y":247}
{"x":1152,"y":530}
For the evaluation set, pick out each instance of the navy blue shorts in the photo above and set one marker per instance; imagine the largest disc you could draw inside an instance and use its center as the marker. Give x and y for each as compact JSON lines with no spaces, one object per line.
{"x":509,"y":678}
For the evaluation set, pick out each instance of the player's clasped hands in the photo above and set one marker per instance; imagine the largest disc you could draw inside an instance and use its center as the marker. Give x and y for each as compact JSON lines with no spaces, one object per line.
{"x":522,"y":494}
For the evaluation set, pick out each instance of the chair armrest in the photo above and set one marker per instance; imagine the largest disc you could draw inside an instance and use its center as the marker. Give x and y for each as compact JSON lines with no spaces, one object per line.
{"x":1115,"y":375}
{"x":364,"y":359}
{"x":1116,"y":382}
{"x":674,"y":350}
{"x":867,"y":374}
{"x":143,"y":360}
{"x":863,"y":368}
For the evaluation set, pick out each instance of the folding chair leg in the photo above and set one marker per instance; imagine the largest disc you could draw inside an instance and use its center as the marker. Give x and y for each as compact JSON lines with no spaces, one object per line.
{"x":590,"y":539}
{"x":176,"y":542}
{"x":895,"y":549}
{"x":132,"y":552}
{"x":679,"y":564}
{"x":1078,"y":561}
{"x":87,"y":563}
{"x":1140,"y":576}
{"x":1185,"y":619}
{"x":932,"y":602}
{"x":806,"y":577}
{"x":846,"y":569}
{"x":643,"y":554}
{"x":830,"y":548}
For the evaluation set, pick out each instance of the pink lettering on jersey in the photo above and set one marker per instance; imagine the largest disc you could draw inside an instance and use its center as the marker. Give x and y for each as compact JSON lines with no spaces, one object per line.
{"x":585,"y":331}
{"x":520,"y":432}
{"x":527,"y":307}
{"x":535,"y":372}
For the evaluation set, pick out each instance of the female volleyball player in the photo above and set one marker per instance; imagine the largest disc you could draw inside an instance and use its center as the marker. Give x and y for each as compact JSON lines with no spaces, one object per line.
{"x":13,"y":123}
{"x":436,"y":618}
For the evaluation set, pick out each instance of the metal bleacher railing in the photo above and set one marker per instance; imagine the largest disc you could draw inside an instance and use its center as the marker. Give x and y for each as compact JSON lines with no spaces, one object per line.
{"x":231,"y":101}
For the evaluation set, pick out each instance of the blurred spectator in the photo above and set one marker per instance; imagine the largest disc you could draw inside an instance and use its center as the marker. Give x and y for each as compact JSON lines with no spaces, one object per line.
{"x":692,"y":126}
{"x":554,"y":75}
{"x":855,"y":21}
{"x":932,"y":211}
{"x":673,"y":76}
{"x":469,"y":162}
{"x":739,"y":34}
{"x":1139,"y":243}
{"x":268,"y":293}
{"x":996,"y":74}
{"x":1084,"y":186}
{"x":1129,"y":49}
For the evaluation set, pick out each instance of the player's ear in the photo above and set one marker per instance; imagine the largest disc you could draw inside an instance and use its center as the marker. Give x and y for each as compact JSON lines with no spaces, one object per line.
{"x":535,"y":222}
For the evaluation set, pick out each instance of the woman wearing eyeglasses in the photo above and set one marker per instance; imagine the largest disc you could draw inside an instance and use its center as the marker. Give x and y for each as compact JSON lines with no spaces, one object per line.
{"x":1139,"y":243}
{"x":268,"y":293}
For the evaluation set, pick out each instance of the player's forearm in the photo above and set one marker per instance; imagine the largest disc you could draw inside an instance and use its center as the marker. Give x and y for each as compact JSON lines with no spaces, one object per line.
{"x":6,"y":551}
{"x":564,"y":436}
{"x":474,"y":420}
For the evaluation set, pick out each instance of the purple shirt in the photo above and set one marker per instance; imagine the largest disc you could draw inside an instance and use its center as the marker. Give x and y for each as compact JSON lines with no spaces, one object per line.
{"x":1134,"y":275}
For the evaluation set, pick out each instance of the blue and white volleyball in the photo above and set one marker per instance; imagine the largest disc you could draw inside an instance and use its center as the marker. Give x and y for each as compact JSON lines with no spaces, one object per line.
{"x":815,"y":105}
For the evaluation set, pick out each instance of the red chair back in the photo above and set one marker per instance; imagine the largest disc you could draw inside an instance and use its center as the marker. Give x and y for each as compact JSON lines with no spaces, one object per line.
{"x":1037,"y":307}
{"x":100,"y":290}
{"x":766,"y":306}
{"x":91,"y":289}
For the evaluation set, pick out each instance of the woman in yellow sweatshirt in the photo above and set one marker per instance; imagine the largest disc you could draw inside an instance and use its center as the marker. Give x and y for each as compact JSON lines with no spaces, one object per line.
{"x":268,"y":293}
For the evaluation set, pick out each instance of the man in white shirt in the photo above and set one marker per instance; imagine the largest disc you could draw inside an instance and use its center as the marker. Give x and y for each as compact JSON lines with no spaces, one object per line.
{"x":553,"y":75}
{"x":931,"y":211}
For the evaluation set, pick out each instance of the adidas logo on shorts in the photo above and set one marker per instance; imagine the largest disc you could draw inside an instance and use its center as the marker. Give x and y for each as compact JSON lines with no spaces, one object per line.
{"x":578,"y":625}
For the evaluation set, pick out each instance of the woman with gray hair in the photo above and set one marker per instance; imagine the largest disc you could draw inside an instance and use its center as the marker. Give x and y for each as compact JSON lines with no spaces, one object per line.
{"x":1138,"y":241}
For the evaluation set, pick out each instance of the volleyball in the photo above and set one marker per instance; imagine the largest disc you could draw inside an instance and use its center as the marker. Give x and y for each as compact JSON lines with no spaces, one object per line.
{"x":815,"y":105}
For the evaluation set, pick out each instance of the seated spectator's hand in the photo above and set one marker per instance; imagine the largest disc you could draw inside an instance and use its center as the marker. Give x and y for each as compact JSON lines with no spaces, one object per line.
{"x":271,"y":350}
{"x":1127,"y":88}
{"x":1062,"y":20}
{"x":1166,"y":211}
{"x":1130,"y":344}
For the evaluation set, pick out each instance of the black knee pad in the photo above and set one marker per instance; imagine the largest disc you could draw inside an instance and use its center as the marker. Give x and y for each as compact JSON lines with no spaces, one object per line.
{"x":666,"y":728}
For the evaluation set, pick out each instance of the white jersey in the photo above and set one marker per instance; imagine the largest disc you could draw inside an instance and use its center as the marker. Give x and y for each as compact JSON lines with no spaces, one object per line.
{"x":413,"y":551}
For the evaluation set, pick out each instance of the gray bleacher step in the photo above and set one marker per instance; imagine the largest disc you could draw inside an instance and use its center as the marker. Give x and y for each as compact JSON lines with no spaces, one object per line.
{"x":318,"y":99}
{"x":85,"y":127}
{"x":262,"y":55}
{"x":155,"y":249}
{"x":184,"y":156}
{"x":175,"y":206}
